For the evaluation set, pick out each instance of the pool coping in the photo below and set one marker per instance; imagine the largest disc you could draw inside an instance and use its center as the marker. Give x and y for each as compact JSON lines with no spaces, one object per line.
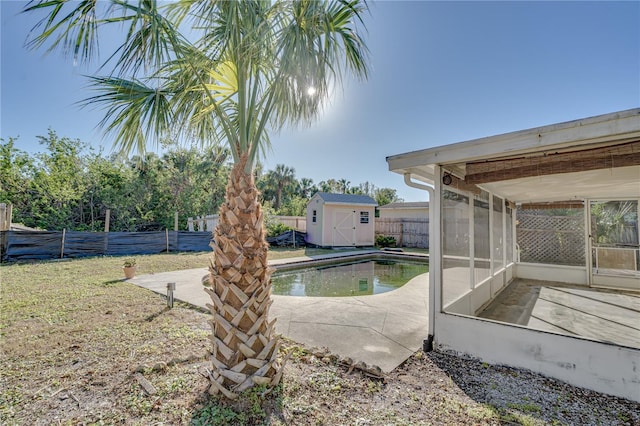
{"x":293,"y":263}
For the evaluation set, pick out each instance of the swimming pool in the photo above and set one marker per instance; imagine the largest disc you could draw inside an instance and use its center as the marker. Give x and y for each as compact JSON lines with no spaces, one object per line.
{"x":356,"y":278}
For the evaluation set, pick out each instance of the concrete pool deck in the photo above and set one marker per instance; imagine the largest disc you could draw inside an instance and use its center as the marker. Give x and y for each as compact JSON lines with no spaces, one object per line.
{"x":382,"y":329}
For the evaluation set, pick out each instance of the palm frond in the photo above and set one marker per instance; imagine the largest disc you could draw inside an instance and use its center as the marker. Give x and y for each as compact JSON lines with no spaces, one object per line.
{"x":135,"y":113}
{"x":76,"y":32}
{"x":244,"y":72}
{"x":151,"y":40}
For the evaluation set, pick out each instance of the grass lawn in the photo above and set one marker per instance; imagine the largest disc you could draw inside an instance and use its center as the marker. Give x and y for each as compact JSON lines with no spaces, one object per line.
{"x":80,"y":346}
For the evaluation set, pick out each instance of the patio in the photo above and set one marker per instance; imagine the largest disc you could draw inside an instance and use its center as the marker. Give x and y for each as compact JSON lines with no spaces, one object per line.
{"x":382,"y":329}
{"x":599,"y":314}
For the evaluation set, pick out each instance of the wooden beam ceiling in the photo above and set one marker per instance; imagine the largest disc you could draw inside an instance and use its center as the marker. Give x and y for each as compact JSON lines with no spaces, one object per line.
{"x":622,"y":155}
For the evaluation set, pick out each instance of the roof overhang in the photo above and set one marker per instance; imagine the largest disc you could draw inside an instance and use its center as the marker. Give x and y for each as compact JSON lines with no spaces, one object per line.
{"x":337,"y":203}
{"x":596,"y":157}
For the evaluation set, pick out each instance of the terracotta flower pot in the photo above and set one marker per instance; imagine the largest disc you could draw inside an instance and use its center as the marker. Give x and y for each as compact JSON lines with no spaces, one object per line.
{"x":129,"y":271}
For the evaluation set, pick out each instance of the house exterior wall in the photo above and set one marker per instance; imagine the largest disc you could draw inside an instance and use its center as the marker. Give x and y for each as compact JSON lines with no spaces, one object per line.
{"x":400,"y":213}
{"x":593,"y":365}
{"x":474,"y":300}
{"x":576,"y":275}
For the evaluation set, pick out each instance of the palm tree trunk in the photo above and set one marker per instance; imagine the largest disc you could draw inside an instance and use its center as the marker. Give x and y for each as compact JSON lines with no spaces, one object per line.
{"x":244,"y":343}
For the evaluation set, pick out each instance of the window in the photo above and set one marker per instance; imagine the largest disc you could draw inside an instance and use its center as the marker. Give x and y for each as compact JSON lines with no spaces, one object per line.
{"x":364,"y":217}
{"x":314,"y":216}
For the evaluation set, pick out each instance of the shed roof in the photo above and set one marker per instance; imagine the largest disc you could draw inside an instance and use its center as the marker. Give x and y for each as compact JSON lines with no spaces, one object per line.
{"x":595,"y":157}
{"x":408,"y":205}
{"x":329,"y":197}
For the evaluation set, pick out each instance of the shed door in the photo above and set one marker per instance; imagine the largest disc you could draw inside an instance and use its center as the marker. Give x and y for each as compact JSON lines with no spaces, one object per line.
{"x":344,"y":228}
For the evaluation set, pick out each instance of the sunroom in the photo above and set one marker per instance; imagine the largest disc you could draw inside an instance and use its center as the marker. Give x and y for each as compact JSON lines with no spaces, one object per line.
{"x":534,"y":249}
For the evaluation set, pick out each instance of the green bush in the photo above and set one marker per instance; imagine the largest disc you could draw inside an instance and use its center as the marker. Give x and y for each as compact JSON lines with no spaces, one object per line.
{"x":385,"y":241}
{"x":276,"y":228}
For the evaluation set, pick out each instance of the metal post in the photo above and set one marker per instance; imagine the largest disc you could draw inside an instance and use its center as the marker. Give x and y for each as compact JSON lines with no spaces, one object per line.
{"x":166,"y":235}
{"x":170,"y":288}
{"x":64,"y":232}
{"x":107,"y":220}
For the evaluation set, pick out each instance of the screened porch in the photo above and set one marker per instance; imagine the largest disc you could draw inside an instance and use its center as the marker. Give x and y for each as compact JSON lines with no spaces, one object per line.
{"x":535,"y":255}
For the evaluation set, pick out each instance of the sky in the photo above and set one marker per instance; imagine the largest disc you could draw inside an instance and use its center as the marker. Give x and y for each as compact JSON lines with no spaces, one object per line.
{"x":441,"y":72}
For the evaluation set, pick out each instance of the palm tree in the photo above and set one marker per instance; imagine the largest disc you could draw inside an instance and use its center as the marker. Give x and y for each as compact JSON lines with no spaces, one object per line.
{"x":245,"y":69}
{"x":306,"y":188}
{"x":344,"y":186}
{"x":278,"y":185}
{"x":283,"y":178}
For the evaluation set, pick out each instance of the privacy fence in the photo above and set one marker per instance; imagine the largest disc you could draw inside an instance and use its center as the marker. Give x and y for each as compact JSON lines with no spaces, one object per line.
{"x":407,"y":232}
{"x":16,"y":245}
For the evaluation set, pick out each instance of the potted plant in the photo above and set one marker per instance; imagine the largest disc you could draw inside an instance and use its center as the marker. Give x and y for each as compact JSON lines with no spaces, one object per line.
{"x":129,"y":267}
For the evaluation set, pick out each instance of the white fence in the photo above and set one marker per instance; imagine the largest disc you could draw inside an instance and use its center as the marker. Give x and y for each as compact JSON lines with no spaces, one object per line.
{"x":202,"y":223}
{"x":299,"y":223}
{"x":209,"y":222}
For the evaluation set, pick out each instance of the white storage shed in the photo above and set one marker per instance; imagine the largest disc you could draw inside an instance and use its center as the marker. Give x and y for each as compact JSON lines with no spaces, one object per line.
{"x":340,"y":220}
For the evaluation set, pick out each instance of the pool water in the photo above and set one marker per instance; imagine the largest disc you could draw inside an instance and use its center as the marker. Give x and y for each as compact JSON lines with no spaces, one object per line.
{"x":347,"y":279}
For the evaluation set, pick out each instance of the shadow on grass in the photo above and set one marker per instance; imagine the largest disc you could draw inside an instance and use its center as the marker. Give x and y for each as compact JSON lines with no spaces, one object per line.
{"x":157,"y":314}
{"x":111,"y":282}
{"x":255,"y":406}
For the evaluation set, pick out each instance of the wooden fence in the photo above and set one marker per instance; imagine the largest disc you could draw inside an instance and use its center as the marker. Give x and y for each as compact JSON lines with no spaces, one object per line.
{"x":5,"y":216}
{"x":407,"y":232}
{"x":5,"y":225}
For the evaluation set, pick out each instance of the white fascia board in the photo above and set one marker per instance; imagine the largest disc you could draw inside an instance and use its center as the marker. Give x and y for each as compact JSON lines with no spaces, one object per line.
{"x":337,"y":203}
{"x":623,"y":125}
{"x":423,"y":174}
{"x":404,"y":208}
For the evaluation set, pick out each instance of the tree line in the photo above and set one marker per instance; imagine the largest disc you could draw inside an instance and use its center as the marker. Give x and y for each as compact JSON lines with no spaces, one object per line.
{"x":70,"y":185}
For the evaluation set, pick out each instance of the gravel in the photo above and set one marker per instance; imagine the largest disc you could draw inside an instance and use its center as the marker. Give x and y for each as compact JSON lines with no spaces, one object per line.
{"x":548,"y":400}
